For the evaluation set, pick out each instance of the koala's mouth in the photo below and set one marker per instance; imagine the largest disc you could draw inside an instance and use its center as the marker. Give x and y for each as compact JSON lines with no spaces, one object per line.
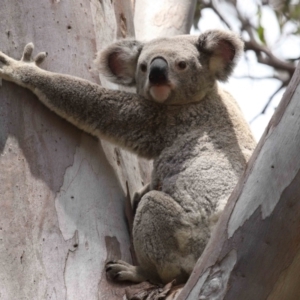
{"x":160,"y":93}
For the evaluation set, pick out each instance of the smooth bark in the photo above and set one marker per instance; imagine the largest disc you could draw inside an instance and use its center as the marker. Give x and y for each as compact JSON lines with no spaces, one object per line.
{"x":154,"y":19}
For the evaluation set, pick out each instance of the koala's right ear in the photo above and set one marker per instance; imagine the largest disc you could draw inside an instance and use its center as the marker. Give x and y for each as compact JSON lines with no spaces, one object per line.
{"x":118,"y":62}
{"x":223,"y":48}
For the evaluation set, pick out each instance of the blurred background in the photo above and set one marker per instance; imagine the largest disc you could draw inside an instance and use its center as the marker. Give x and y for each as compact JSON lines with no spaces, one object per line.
{"x":271,"y":32}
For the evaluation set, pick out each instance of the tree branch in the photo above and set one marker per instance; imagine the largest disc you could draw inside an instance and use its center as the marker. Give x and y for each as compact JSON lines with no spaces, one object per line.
{"x":212,"y":6}
{"x":269,"y":59}
{"x":264,"y":54}
{"x":268,"y":102}
{"x":258,"y":78}
{"x":254,"y":250}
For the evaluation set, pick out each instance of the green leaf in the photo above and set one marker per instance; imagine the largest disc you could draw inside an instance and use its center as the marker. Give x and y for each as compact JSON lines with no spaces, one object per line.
{"x":260,"y":30}
{"x":261,"y":34}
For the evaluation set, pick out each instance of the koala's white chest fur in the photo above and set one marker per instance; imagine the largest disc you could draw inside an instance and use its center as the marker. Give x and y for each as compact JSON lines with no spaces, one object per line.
{"x":190,"y":172}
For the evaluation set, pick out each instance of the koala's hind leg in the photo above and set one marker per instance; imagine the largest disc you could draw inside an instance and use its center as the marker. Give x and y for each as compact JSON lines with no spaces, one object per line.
{"x":167,"y":242}
{"x":163,"y":233}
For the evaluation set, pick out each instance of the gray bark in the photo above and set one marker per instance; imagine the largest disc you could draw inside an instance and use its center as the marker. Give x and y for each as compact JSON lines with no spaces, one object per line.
{"x":154,"y":19}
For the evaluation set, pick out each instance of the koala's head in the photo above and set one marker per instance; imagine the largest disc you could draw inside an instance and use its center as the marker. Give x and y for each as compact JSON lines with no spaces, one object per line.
{"x":176,"y":70}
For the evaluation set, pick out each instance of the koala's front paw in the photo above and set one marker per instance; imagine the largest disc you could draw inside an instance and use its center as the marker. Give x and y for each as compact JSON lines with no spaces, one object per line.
{"x":9,"y":67}
{"x":122,"y":271}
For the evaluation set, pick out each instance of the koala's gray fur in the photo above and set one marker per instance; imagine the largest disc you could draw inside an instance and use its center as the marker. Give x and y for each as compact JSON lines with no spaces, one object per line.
{"x":179,"y":117}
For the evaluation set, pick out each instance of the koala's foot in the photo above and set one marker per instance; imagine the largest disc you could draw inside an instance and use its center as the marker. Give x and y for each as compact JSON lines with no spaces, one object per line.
{"x":10,"y":68}
{"x":121,"y":271}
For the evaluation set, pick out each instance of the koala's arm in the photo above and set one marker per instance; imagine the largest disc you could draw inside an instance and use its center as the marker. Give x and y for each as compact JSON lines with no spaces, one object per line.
{"x":123,"y":118}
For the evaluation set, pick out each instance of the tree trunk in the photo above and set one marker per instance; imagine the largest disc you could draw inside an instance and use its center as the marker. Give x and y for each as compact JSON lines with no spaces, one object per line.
{"x":254,"y":252}
{"x":154,"y":19}
{"x":62,"y":207}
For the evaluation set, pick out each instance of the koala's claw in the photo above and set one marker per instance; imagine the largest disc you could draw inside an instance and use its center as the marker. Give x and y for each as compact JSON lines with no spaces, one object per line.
{"x":113,"y":270}
{"x":122,"y":271}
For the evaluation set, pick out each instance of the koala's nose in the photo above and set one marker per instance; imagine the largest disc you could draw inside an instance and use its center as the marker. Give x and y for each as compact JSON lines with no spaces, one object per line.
{"x":158,"y":72}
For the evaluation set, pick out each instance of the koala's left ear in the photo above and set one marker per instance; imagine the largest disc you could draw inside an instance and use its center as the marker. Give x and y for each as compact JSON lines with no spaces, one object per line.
{"x":118,"y":62}
{"x":223,"y":48}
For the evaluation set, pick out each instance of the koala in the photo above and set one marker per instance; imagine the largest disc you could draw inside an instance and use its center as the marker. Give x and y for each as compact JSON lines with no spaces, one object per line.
{"x":179,"y":116}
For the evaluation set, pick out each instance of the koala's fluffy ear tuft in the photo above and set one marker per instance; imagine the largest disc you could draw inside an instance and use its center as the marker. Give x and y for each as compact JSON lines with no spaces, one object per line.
{"x":224,"y":48}
{"x":118,"y":62}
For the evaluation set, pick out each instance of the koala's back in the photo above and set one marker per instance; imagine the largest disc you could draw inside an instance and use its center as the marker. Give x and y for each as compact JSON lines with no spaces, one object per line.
{"x":196,"y":173}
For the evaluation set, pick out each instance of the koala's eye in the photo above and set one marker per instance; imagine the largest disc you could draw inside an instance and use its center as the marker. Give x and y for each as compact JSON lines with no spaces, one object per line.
{"x":143,"y":67}
{"x":182,"y":65}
